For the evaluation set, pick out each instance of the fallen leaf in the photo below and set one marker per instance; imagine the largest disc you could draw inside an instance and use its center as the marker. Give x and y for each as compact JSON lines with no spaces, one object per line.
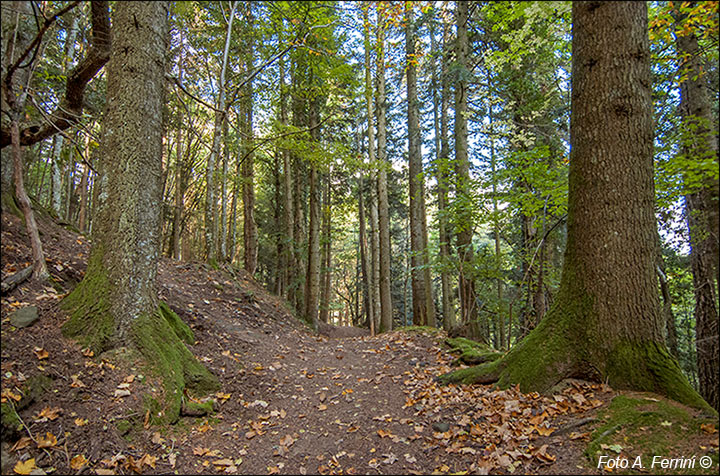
{"x":25,"y":467}
{"x":47,"y":441}
{"x":104,"y":472}
{"x":666,"y":423}
{"x":542,"y":431}
{"x":78,"y":462}
{"x":273,"y":470}
{"x":76,"y":382}
{"x":6,"y":393}
{"x":49,"y":413}
{"x":287,"y":441}
{"x":81,"y":421}
{"x":148,"y":460}
{"x":122,"y":393}
{"x":87,"y":352}
{"x":223,"y":462}
{"x":41,"y":353}
{"x":708,"y":428}
{"x":171,"y":459}
{"x":322,"y":407}
{"x":23,"y":442}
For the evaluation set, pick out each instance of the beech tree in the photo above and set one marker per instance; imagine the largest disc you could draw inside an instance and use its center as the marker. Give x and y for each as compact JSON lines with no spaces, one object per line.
{"x":605,"y":323}
{"x":116,"y":303}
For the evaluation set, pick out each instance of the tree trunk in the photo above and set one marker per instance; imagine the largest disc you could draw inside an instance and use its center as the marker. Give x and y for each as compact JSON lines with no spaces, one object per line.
{"x":701,"y":210}
{"x":325,"y":270}
{"x":116,"y":303}
{"x":222,"y":229}
{"x":605,"y":324}
{"x":58,"y":138}
{"x":383,"y":207}
{"x":442,"y":147}
{"x":423,"y":310}
{"x":365,"y":259}
{"x":179,"y":193}
{"x":250,"y":234}
{"x":464,"y":221}
{"x":374,"y":254}
{"x":211,"y":211}
{"x":312,"y":280}
{"x":40,"y":272}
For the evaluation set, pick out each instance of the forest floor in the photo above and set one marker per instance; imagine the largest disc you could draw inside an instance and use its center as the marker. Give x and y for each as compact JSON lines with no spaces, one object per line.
{"x":291,"y":402}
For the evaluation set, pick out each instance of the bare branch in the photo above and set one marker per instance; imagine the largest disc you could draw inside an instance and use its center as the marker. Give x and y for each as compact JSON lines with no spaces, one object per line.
{"x":69,"y":111}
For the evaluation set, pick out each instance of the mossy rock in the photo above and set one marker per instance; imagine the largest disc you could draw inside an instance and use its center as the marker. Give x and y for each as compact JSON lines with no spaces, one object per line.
{"x":35,"y":387}
{"x":647,"y":425}
{"x":475,"y":356}
{"x":9,"y":422}
{"x":418,"y":329}
{"x":198,"y":409}
{"x":461,"y":343}
{"x":123,"y":426}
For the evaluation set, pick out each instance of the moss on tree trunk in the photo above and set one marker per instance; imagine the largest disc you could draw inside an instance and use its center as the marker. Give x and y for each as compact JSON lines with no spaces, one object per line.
{"x":605,"y":324}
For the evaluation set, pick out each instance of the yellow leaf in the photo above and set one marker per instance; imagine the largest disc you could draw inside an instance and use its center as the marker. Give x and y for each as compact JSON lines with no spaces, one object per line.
{"x":47,"y":441}
{"x":25,"y":467}
{"x":148,"y":460}
{"x":41,"y":353}
{"x":78,"y":462}
{"x":49,"y":413}
{"x":81,"y":421}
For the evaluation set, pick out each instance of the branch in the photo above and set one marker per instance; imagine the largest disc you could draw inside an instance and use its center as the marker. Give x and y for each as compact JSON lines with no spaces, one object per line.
{"x":38,"y":38}
{"x":69,"y":110}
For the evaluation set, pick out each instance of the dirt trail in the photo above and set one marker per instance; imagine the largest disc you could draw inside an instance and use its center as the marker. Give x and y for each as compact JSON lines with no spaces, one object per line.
{"x":290,"y":402}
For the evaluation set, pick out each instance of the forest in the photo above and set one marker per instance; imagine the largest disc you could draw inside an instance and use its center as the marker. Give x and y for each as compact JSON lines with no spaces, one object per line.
{"x":511,"y":206}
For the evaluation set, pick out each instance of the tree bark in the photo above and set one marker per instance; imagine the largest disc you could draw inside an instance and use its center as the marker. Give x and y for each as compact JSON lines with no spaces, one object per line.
{"x":605,"y":324}
{"x":701,"y":210}
{"x":442,"y":146}
{"x":325,"y":270}
{"x":250,"y":234}
{"x":464,"y":220}
{"x":211,"y":211}
{"x":116,"y":303}
{"x":383,"y":207}
{"x":423,"y":310}
{"x":70,"y":109}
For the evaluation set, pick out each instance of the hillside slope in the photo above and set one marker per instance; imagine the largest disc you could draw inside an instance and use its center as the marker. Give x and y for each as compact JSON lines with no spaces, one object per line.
{"x":290,"y":401}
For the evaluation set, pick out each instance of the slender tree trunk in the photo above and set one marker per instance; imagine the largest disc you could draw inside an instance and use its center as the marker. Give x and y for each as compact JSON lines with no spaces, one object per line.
{"x":222,"y":238}
{"x":462,"y":167}
{"x":179,"y":194}
{"x":59,"y":138}
{"x":82,"y":210}
{"x":325,"y":270}
{"x":40,"y":272}
{"x":250,"y":234}
{"x":211,"y":211}
{"x":365,"y":259}
{"x":423,"y":308}
{"x":383,"y":207}
{"x":312,"y":281}
{"x":701,"y":209}
{"x":442,"y":146}
{"x":373,"y":270}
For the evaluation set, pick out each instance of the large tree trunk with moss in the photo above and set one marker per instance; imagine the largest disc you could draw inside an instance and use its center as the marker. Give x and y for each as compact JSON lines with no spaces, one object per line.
{"x":605,"y":324}
{"x":701,"y":208}
{"x":116,"y":303}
